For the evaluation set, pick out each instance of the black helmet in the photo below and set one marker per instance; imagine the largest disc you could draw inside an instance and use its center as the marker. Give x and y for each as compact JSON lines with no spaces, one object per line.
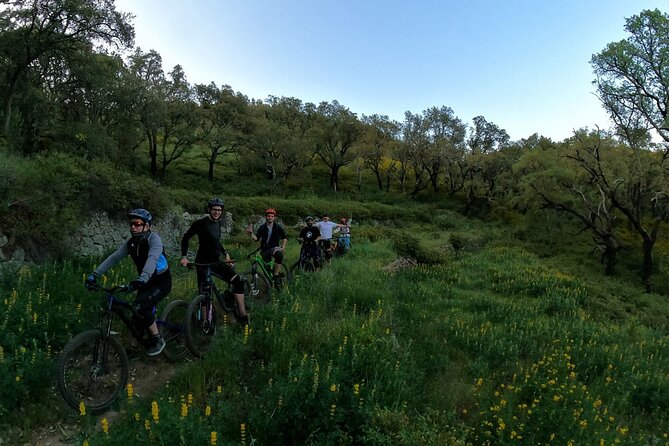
{"x":142,"y":214}
{"x":308,"y":219}
{"x":215,"y":202}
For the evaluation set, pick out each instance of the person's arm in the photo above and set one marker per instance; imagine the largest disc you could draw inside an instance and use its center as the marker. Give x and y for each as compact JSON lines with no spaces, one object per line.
{"x":184,"y":243}
{"x":283,"y":237}
{"x":255,"y":236}
{"x":118,"y":255}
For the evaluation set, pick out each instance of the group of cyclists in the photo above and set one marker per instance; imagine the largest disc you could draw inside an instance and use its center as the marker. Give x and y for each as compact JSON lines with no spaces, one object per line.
{"x":154,"y":279}
{"x":317,"y":239}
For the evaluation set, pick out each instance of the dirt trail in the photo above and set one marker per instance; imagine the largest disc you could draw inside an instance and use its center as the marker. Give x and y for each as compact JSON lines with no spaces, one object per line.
{"x":146,"y":375}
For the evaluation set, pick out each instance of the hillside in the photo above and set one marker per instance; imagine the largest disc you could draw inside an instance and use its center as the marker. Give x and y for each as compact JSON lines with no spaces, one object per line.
{"x":483,"y":342}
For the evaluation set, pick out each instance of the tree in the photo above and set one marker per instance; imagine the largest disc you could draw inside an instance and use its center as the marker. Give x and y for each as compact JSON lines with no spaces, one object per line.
{"x":486,"y":161}
{"x":279,"y":140}
{"x":40,"y":36}
{"x":380,"y":137}
{"x":334,"y":132}
{"x":225,"y":121}
{"x":560,"y":178}
{"x":149,"y":85}
{"x":486,"y":137}
{"x":632,"y":77}
{"x":180,"y":121}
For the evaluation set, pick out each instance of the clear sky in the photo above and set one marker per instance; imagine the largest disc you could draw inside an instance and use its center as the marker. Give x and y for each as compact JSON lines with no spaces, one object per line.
{"x":522,"y":64}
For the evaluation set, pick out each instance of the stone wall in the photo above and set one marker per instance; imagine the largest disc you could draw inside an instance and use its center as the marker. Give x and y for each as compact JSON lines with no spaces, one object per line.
{"x":103,"y":234}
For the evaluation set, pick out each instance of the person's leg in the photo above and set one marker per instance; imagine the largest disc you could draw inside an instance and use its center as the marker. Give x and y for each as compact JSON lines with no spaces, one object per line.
{"x":229,"y":275}
{"x":147,"y":299}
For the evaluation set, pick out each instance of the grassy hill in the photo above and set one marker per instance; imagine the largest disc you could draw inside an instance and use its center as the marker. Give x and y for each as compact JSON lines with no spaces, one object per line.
{"x":484,"y":342}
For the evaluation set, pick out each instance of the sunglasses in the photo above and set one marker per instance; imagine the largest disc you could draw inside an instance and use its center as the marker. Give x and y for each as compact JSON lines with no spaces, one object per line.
{"x":137,"y":223}
{"x":216,"y":210}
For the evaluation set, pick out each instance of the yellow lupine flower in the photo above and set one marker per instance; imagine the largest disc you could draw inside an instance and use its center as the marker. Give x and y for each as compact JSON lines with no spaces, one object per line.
{"x":184,"y":410}
{"x":356,"y":389}
{"x":155,"y":411}
{"x":130,"y":391}
{"x":213,"y":439}
{"x":207,"y":411}
{"x":82,"y":409}
{"x":105,"y":425}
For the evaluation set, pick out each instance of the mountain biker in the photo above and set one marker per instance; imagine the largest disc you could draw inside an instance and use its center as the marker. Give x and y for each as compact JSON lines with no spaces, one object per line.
{"x":344,"y":239}
{"x":309,"y":237}
{"x":327,"y":227}
{"x":209,"y":251}
{"x":155,"y":279}
{"x":273,"y":240}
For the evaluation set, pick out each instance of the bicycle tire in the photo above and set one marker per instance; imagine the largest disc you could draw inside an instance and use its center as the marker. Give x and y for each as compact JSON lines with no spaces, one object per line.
{"x":82,"y":379}
{"x":302,"y":266}
{"x":173,"y":330}
{"x":287,"y":277}
{"x":257,"y":289}
{"x":200,"y":325}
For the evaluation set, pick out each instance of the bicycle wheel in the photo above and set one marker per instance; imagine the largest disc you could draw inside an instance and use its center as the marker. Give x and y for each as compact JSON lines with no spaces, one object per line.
{"x":172,"y":328}
{"x":284,"y":275}
{"x":302,"y":266}
{"x":200,"y":325}
{"x":258,"y":290}
{"x":93,"y":370}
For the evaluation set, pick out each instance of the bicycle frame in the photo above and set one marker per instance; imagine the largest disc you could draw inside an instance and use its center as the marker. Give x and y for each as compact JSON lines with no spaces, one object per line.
{"x":265,"y":267}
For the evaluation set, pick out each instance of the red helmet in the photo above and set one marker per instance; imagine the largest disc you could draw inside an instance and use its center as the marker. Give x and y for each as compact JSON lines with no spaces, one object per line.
{"x":270,"y":211}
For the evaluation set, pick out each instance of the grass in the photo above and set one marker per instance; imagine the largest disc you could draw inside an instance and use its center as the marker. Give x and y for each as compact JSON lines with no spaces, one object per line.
{"x":484,"y":344}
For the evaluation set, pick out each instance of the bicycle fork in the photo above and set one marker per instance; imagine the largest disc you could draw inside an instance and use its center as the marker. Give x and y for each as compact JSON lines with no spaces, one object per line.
{"x":205,"y":314}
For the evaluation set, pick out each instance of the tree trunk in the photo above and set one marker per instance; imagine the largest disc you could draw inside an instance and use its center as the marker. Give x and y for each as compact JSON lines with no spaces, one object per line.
{"x":648,"y":264}
{"x":334,"y":178}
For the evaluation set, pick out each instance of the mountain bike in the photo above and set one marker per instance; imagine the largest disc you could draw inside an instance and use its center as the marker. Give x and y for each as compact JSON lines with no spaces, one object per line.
{"x":93,"y":367}
{"x":327,"y":249}
{"x":307,"y":262}
{"x":201,"y":315}
{"x":261,"y":278}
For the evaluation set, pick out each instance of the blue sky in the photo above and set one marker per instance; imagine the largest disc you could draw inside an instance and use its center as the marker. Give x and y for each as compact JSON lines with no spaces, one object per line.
{"x":522,"y":64}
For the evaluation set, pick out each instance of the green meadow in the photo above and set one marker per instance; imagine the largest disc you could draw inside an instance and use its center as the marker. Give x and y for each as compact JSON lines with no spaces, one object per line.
{"x":489,"y":344}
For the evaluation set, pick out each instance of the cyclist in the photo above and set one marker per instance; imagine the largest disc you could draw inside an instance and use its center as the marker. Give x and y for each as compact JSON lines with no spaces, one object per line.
{"x":327,"y":227}
{"x":309,"y":237}
{"x":209,"y":251}
{"x":273,"y":240}
{"x":344,"y":239}
{"x":154,"y":281}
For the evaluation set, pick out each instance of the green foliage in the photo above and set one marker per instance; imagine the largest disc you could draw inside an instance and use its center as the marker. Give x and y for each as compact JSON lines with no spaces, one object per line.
{"x":492,"y":346}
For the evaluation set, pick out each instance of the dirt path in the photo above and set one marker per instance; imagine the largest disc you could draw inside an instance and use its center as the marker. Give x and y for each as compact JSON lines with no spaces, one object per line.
{"x":146,"y":375}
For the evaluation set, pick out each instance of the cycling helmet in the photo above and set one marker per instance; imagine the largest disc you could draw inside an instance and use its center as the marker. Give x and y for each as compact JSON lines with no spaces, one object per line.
{"x":308,"y":219}
{"x":216,"y":202}
{"x":142,"y":214}
{"x":270,"y":211}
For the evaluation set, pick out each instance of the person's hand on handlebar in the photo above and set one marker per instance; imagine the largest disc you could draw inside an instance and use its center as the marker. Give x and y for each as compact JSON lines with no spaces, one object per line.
{"x":184,"y":261}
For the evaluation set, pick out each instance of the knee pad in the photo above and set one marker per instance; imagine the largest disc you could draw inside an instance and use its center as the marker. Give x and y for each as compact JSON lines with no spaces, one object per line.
{"x":278,"y":256}
{"x":237,"y":285}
